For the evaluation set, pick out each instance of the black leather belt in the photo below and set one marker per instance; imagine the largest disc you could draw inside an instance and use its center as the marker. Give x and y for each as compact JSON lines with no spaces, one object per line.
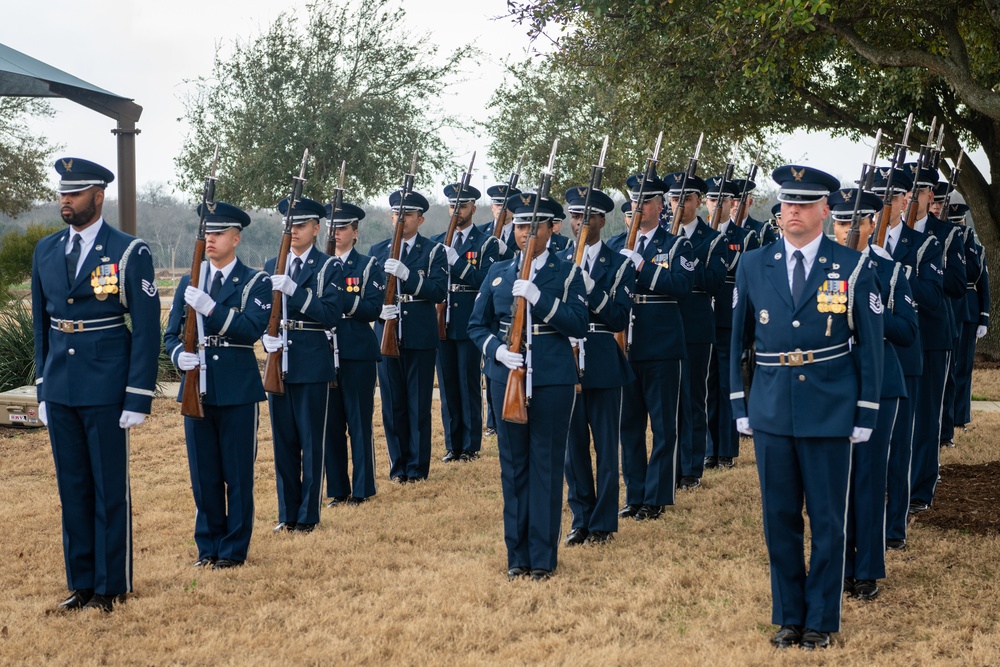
{"x":299,"y":325}
{"x":461,"y":288}
{"x":598,"y":328}
{"x":536,"y":329}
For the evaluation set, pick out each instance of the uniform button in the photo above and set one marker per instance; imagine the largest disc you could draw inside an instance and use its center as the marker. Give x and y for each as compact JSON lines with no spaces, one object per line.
{"x":405,"y":312}
{"x":802,"y":378}
{"x":69,"y":301}
{"x":71,"y":351}
{"x":795,"y":324}
{"x":215,"y":357}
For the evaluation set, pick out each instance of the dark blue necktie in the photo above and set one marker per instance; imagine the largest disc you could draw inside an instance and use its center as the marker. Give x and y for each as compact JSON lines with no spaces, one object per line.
{"x":798,"y":277}
{"x":216,"y":284}
{"x":73,"y":258}
{"x":296,"y":267}
{"x":642,"y":245}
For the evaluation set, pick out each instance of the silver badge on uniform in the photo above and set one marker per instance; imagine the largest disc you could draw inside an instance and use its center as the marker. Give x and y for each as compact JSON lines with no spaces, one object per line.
{"x":765,"y":317}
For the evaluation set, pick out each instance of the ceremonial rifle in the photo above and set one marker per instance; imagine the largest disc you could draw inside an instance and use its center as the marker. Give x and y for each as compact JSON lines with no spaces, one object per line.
{"x":515,"y":399}
{"x":864,"y":185}
{"x":443,"y":313}
{"x":276,"y":365}
{"x":898,"y":157}
{"x":923,"y":160}
{"x":390,"y":332}
{"x":511,"y":184}
{"x":193,"y":386}
{"x":689,"y":174}
{"x":953,"y":181}
{"x":331,"y":249}
{"x":741,"y":206}
{"x":727,"y":175}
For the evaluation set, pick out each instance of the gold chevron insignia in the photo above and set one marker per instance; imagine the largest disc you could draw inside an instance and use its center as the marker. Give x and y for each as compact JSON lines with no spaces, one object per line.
{"x":797,"y":175}
{"x":846,"y":194}
{"x":582,"y":191}
{"x":678,"y":177}
{"x":526,"y":200}
{"x":67,"y":164}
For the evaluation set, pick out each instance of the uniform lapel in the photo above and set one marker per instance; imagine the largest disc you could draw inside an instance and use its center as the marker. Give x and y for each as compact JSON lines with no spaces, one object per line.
{"x":231,"y":283}
{"x":778,"y":275}
{"x":600,"y":264}
{"x":821,"y":266}
{"x":57,"y":257}
{"x":415,"y":258}
{"x":308,"y":268}
{"x":93,"y":259}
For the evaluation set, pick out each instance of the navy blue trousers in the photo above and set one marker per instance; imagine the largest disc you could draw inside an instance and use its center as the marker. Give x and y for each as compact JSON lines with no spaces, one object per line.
{"x":723,"y":440}
{"x":694,"y":411}
{"x":866,"y":504}
{"x":597,"y":413}
{"x":406,"y":383}
{"x":298,"y":425}
{"x":966,"y":356}
{"x":900,"y":458}
{"x":91,"y":457}
{"x":532,"y":457}
{"x":221,"y":450}
{"x":927,"y":426}
{"x":816,"y":470}
{"x":458,"y":368}
{"x":352,"y":408}
{"x":950,"y":393}
{"x":653,"y":396}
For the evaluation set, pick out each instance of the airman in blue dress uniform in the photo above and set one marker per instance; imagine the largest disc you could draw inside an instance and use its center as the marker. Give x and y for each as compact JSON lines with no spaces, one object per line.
{"x":314,"y":304}
{"x":532,"y":455}
{"x":664,"y":274}
{"x":865,"y":556}
{"x":807,"y":303}
{"x":356,"y":355}
{"x":407,"y":382}
{"x":233,"y":303}
{"x":610,"y":279}
{"x":95,"y":378}
{"x":724,"y":441}
{"x":459,"y":363}
{"x":557,"y":242}
{"x":699,"y":326}
{"x":766,"y":232}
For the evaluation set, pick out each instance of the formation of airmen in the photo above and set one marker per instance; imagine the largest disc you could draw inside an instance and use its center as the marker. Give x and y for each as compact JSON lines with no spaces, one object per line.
{"x":850,"y":368}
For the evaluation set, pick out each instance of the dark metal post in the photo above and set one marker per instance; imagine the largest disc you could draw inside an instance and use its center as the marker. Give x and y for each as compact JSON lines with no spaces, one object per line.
{"x":126,"y":132}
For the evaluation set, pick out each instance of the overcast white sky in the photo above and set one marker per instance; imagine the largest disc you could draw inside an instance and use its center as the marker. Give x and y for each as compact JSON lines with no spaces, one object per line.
{"x":147,"y":50}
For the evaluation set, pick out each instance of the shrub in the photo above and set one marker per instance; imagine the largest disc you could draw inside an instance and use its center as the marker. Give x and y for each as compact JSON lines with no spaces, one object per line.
{"x":17,"y":347}
{"x":16,"y":249}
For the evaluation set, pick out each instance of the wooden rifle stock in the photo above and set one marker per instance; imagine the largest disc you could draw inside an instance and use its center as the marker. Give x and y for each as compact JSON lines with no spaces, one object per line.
{"x":191,"y":396}
{"x":515,"y":398}
{"x":449,"y":238}
{"x":390,"y":336}
{"x":274,"y":382}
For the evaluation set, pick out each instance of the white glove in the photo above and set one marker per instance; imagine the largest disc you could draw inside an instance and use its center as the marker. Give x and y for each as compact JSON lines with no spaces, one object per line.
{"x":389,"y":312}
{"x":575,"y":342}
{"x":397,"y":268}
{"x":452,"y":255}
{"x":130,"y":419}
{"x":283,"y":284}
{"x":880,"y":251}
{"x":743,"y":425}
{"x":860,"y":435}
{"x":632,"y":255}
{"x":509,"y":359}
{"x":527,"y":289}
{"x":200,"y":301}
{"x":980,"y":331}
{"x":43,"y":413}
{"x":188,"y":361}
{"x":588,"y":282}
{"x":271,"y":343}
{"x":503,"y":247}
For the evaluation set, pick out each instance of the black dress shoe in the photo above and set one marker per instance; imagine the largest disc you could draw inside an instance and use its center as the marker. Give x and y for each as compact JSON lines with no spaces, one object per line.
{"x":866,"y":589}
{"x":540,"y":575}
{"x":689,"y":482}
{"x":517,"y":571}
{"x":354,"y":500}
{"x":577,"y":536}
{"x":398,"y":479}
{"x":629,"y":511}
{"x":337,"y":500}
{"x":950,"y":443}
{"x":599,"y":537}
{"x":849,"y":584}
{"x":104,"y":602}
{"x":490,"y":431}
{"x":304,"y":527}
{"x":918,"y":506}
{"x":470,"y":456}
{"x":895,"y":544}
{"x":726,"y":462}
{"x":787,"y":636}
{"x":207,"y":561}
{"x":711,"y":462}
{"x":414,"y":480}
{"x":226,"y":563}
{"x":649,"y":513}
{"x":451,"y":456}
{"x":284,"y":526}
{"x":814,"y":639}
{"x":77,"y":600}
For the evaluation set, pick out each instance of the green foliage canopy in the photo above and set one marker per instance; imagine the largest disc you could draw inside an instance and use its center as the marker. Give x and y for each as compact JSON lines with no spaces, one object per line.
{"x":24,"y":156}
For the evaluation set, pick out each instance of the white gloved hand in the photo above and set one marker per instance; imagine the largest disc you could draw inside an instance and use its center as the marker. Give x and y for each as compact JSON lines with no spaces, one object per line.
{"x":130,"y":419}
{"x":452,"y":255}
{"x":389,"y":312}
{"x":509,"y":359}
{"x":880,"y":251}
{"x":575,"y":342}
{"x":743,"y":425}
{"x":588,"y":282}
{"x":188,"y":361}
{"x":632,"y":255}
{"x":283,"y":284}
{"x":981,"y":331}
{"x":43,"y":413}
{"x":397,"y":268}
{"x":860,"y":435}
{"x":271,"y":343}
{"x":202,"y":303}
{"x":527,"y":289}
{"x":503,"y":247}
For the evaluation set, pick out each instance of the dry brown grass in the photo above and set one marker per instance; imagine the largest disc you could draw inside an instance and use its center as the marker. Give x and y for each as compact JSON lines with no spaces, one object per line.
{"x":986,"y":382}
{"x":417,"y":576}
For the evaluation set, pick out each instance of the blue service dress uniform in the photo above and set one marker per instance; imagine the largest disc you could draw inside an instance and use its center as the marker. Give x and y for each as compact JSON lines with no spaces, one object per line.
{"x":222,"y":447}
{"x":866,"y":517}
{"x":977,"y":296}
{"x":89,"y":368}
{"x":407,"y":382}
{"x":765,"y":231}
{"x":459,"y":361}
{"x":532,"y":455}
{"x":960,"y":311}
{"x":352,"y":400}
{"x":559,"y":243}
{"x":724,"y":441}
{"x":298,"y":417}
{"x":699,"y":334}
{"x":604,"y":370}
{"x":803,"y":415}
{"x":509,"y":250}
{"x":656,"y":349}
